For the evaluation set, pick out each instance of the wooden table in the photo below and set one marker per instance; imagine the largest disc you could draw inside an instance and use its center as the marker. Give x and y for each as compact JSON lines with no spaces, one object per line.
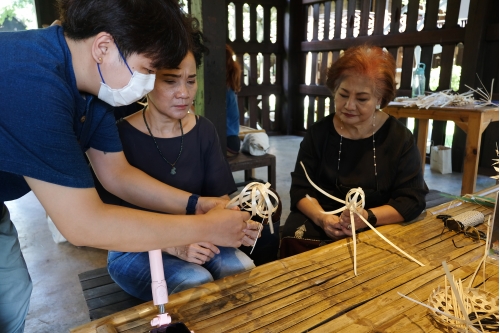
{"x":317,"y":291}
{"x":471,"y":120}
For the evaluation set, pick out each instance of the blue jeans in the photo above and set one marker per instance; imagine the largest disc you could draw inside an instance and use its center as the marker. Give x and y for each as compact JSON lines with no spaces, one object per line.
{"x":130,"y":270}
{"x":15,"y":281}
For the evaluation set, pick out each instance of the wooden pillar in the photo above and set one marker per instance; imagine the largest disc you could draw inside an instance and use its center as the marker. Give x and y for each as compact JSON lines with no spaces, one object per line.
{"x":211,"y":102}
{"x":293,"y":67}
{"x":46,"y":12}
{"x":472,"y":64}
{"x":475,"y":33}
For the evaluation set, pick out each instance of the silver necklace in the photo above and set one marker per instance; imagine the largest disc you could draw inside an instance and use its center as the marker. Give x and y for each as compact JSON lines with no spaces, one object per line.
{"x":373,"y":142}
{"x":173,"y":170}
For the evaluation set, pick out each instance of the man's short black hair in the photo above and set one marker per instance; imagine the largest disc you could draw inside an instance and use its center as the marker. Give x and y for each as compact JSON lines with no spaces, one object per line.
{"x":156,"y":29}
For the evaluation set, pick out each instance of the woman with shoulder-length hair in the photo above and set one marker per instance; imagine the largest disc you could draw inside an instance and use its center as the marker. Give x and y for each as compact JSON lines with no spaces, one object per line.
{"x":233,"y":86}
{"x":356,"y":146}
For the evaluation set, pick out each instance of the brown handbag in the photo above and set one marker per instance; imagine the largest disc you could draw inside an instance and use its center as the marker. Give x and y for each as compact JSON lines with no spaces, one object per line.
{"x":291,"y":246}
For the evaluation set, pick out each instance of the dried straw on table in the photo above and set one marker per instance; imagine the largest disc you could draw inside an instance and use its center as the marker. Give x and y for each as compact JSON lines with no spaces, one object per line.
{"x":449,"y":98}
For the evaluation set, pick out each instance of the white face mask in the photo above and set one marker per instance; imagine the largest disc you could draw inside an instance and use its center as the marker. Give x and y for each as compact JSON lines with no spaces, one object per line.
{"x":138,"y":86}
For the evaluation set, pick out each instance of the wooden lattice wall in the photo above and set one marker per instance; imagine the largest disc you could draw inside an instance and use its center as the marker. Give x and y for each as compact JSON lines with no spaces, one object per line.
{"x":254,"y":97}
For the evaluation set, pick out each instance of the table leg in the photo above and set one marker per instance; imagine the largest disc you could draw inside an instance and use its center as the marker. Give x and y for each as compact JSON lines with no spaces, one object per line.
{"x":249,"y":175}
{"x":271,"y":173}
{"x":423,"y":129}
{"x":472,"y":149}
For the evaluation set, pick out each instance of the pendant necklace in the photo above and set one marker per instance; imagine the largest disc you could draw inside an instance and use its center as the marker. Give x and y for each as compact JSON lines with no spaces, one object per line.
{"x":173,"y":171}
{"x":373,"y":143}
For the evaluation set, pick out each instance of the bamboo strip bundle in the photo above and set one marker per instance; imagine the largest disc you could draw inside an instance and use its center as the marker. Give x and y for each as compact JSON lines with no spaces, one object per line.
{"x":256,"y":199}
{"x":439,"y":99}
{"x":462,"y":309}
{"x":449,"y":98}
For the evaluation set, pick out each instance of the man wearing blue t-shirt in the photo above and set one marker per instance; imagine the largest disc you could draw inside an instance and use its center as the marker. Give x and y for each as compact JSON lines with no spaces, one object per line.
{"x":49,"y":80}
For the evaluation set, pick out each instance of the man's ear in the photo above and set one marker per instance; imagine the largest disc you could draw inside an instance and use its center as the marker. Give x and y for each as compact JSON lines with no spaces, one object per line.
{"x":101,"y":46}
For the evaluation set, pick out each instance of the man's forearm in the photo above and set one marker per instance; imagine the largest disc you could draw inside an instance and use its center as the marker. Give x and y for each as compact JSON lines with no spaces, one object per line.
{"x":135,"y":186}
{"x":140,"y":189}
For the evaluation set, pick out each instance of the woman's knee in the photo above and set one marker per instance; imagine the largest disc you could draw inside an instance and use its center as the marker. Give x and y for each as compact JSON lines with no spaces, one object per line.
{"x":189,"y":277}
{"x":131,"y":272}
{"x":229,"y":261}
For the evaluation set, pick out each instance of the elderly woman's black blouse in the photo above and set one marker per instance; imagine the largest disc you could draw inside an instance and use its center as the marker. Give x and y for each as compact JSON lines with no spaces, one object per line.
{"x":399,"y":181}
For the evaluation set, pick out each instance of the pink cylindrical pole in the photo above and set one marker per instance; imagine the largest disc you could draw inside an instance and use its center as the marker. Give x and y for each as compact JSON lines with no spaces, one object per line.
{"x":158,"y":283}
{"x":158,"y":288}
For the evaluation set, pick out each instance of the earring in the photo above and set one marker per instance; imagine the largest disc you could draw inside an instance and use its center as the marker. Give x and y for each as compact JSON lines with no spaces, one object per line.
{"x":100,"y":59}
{"x":377,"y":106}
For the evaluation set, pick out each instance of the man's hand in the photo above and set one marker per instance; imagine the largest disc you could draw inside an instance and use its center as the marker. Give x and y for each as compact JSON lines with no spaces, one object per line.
{"x":198,"y":253}
{"x":252,"y":232}
{"x":205,"y":204}
{"x":227,"y":226}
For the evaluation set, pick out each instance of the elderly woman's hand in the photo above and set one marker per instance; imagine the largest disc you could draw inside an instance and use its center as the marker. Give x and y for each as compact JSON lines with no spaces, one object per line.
{"x":345,"y":221}
{"x":331,"y":226}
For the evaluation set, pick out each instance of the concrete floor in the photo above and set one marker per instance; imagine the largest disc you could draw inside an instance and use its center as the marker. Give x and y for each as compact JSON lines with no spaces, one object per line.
{"x":57,"y":302}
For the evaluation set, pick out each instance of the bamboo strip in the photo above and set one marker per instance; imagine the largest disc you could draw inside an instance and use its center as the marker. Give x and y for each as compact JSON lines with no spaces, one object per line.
{"x":336,"y":290}
{"x":483,"y":259}
{"x":421,"y":324}
{"x":265,"y":294}
{"x":342,"y":298}
{"x":136,"y":325}
{"x":273,"y":271}
{"x":384,"y":308}
{"x":106,"y":328}
{"x":294,"y":270}
{"x":283,"y":299}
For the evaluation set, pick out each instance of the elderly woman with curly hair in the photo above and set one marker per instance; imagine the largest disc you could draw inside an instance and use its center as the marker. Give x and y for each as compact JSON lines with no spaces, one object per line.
{"x":356,"y":146}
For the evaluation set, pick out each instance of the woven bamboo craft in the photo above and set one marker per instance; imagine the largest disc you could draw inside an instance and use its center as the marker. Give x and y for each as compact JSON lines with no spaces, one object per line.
{"x":477,"y":301}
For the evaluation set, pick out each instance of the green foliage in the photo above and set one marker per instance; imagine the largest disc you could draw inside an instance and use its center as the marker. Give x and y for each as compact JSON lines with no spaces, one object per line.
{"x":456,"y":72}
{"x":8,"y":12}
{"x":455,"y":77}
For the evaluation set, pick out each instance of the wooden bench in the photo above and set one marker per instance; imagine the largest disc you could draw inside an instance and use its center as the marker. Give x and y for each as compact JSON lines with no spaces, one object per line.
{"x":248,"y":163}
{"x":102,"y":295}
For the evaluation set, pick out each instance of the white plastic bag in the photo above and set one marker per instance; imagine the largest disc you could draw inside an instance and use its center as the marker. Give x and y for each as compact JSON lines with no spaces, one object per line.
{"x":256,"y":144}
{"x":56,"y":235}
{"x":441,"y":159}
